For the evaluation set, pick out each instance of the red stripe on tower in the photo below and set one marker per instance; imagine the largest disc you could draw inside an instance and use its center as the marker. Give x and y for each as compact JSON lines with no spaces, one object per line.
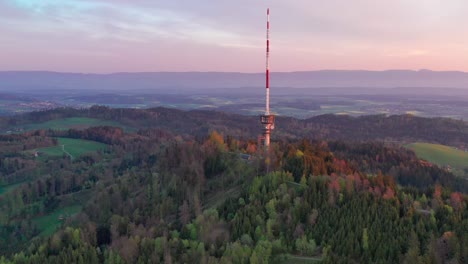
{"x":268,"y":79}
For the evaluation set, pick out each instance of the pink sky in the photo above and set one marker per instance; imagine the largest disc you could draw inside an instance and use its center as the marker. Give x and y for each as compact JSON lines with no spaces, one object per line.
{"x":184,"y":35}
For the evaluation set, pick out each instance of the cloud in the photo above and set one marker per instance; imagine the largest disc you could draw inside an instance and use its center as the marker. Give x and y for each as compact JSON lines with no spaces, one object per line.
{"x":325,"y":34}
{"x":122,"y":21}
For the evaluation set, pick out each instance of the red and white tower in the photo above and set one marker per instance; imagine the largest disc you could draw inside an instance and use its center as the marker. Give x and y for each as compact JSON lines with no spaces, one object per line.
{"x":267,"y":120}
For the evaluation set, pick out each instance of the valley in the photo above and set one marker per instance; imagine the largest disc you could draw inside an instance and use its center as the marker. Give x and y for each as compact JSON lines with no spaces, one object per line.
{"x":286,"y":102}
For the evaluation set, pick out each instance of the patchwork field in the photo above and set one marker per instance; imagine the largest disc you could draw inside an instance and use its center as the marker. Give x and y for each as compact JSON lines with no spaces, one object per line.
{"x":442,"y":156}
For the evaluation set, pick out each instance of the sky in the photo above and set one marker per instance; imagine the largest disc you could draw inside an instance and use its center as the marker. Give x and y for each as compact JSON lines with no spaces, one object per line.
{"x":104,"y":36}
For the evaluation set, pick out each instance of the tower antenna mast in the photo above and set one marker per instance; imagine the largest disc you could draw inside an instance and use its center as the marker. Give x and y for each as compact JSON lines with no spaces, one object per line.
{"x":267,"y":119}
{"x":267,"y":110}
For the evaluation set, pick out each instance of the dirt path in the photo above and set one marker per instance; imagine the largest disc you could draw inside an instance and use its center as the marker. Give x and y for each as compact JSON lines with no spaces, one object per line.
{"x":306,"y":258}
{"x":64,"y":151}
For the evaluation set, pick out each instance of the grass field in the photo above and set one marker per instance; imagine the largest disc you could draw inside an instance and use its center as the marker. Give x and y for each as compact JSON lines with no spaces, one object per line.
{"x":47,"y":224}
{"x":6,"y":188}
{"x":441,"y":155}
{"x":73,"y":147}
{"x":72,"y":122}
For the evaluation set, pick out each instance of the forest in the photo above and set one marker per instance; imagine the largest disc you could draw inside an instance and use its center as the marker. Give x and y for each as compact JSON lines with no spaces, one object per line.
{"x":172,"y":186}
{"x":395,"y":128}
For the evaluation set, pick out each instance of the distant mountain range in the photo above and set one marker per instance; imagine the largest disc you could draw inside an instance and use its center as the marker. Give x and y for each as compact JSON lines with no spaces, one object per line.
{"x":202,"y":81}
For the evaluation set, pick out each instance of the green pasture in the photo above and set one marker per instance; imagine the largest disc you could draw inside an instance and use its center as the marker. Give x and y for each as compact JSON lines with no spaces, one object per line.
{"x":441,"y":155}
{"x":48,"y":224}
{"x":73,"y":147}
{"x":6,"y":188}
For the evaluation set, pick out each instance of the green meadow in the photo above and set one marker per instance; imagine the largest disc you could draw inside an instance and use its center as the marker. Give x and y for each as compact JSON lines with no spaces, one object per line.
{"x":6,"y":188}
{"x":441,"y":155}
{"x":73,"y":147}
{"x":48,"y":224}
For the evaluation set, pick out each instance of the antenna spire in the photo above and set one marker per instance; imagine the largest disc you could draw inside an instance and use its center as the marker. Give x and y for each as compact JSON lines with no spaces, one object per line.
{"x":267,"y":120}
{"x":267,"y":108}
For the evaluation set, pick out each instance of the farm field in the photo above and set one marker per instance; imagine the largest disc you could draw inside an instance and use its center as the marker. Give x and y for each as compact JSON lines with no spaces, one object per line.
{"x":47,"y":224}
{"x":6,"y":188}
{"x":442,"y":156}
{"x":73,"y":147}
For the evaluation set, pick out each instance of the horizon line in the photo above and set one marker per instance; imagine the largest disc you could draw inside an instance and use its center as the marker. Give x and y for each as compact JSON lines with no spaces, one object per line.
{"x":236,"y":72}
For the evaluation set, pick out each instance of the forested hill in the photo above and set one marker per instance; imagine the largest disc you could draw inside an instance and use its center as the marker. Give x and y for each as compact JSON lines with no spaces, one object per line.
{"x":168,"y":186}
{"x":404,"y":128}
{"x":399,"y":128}
{"x":154,"y":197}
